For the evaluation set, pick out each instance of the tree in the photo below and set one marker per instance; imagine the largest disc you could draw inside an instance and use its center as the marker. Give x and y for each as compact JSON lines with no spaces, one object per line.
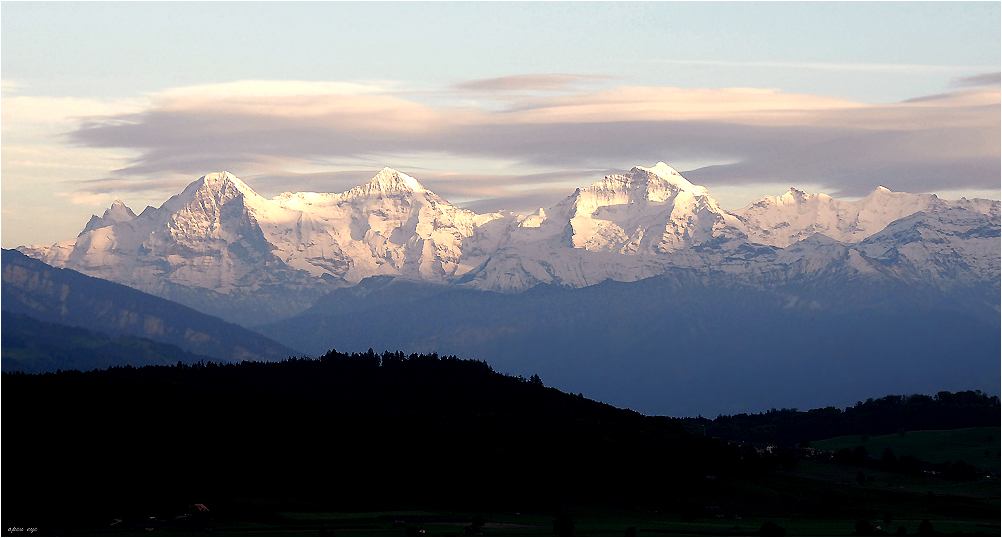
{"x":771,"y":529}
{"x":535,"y":380}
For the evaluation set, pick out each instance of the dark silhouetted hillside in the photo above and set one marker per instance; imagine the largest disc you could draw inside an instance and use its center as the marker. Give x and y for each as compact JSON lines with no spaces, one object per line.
{"x":370,"y":433}
{"x":360,"y":430}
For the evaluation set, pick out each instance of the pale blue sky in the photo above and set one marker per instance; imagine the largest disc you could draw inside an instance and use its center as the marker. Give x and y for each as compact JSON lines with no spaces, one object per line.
{"x":107,"y":50}
{"x":131,"y":100}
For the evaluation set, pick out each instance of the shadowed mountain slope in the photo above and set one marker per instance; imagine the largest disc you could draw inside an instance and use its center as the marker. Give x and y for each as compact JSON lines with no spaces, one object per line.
{"x":32,"y":346}
{"x":64,"y":296}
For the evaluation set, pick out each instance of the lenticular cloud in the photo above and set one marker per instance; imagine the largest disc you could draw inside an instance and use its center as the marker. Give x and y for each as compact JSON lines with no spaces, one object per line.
{"x":947,"y":142}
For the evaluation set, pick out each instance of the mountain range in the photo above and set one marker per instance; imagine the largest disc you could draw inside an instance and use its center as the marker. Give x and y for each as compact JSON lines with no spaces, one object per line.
{"x":638,"y":290}
{"x":221,"y":248}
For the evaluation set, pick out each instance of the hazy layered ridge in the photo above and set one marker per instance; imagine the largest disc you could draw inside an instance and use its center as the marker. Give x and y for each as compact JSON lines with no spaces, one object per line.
{"x":221,"y":248}
{"x":687,"y":342}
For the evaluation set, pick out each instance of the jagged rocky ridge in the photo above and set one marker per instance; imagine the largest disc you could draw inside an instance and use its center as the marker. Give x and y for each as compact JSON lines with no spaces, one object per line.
{"x":221,"y":248}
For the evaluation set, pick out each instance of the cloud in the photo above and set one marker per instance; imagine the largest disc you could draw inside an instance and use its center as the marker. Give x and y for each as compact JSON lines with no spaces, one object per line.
{"x":733,"y":105}
{"x":521,"y":193}
{"x":534,"y":82}
{"x":479,"y":192}
{"x":524,"y":203}
{"x":25,"y":115}
{"x":10,"y":87}
{"x":832,"y":66}
{"x":109,"y":185}
{"x":915,"y":161}
{"x":984,"y":79}
{"x":84,"y":197}
{"x":275,"y":88}
{"x":283,"y":132}
{"x":277,"y":181}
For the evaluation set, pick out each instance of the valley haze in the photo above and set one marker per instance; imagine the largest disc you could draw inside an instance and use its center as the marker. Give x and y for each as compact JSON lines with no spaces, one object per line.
{"x":638,"y":290}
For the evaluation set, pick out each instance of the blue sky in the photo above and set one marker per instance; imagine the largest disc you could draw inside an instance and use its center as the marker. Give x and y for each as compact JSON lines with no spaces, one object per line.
{"x":492,"y":105}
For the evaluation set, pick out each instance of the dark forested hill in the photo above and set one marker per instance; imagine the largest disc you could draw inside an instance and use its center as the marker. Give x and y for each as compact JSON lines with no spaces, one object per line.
{"x":361,"y":430}
{"x":369,"y":433}
{"x":63,"y":296}
{"x":357,"y":430}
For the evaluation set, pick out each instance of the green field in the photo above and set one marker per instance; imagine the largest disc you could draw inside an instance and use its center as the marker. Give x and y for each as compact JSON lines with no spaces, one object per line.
{"x":813,"y":499}
{"x":979,"y":447}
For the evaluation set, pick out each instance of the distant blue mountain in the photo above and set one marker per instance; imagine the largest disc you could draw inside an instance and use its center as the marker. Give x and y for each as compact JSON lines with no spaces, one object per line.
{"x":680,"y":343}
{"x":66,"y":297}
{"x":32,"y":346}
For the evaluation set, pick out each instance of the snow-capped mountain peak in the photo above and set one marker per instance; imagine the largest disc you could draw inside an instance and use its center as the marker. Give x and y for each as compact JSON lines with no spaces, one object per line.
{"x":661,"y":175}
{"x":221,"y":177}
{"x":795,"y":196}
{"x":389,"y":180}
{"x":661,"y":183}
{"x":783,"y":220}
{"x":212,"y":190}
{"x":665,"y":172}
{"x":649,"y":210}
{"x":661,"y":167}
{"x":224,"y":183}
{"x":118,"y":212}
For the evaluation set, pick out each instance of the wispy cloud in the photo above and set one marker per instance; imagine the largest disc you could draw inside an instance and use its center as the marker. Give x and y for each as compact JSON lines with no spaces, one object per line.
{"x":10,"y":87}
{"x":984,"y":79}
{"x":834,"y":66}
{"x":83,"y":197}
{"x":276,"y":88}
{"x":54,"y":114}
{"x":534,"y":82}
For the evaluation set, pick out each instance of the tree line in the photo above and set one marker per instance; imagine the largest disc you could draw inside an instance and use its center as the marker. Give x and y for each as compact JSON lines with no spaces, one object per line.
{"x":890,"y":414}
